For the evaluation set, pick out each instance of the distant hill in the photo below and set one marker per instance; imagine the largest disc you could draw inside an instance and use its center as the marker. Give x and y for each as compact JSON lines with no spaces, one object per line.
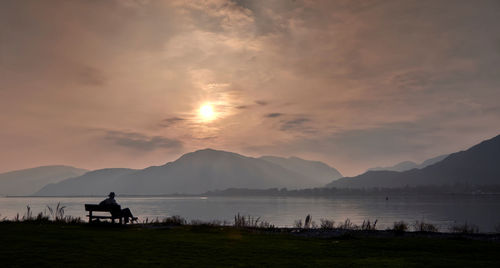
{"x":402,"y":166}
{"x":97,"y":182}
{"x":28,"y":181}
{"x":407,"y":165}
{"x":316,"y":171}
{"x":479,"y":165}
{"x":196,"y":172}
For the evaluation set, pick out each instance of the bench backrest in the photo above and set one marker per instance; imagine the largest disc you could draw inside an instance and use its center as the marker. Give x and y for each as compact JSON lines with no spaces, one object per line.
{"x":94,"y":207}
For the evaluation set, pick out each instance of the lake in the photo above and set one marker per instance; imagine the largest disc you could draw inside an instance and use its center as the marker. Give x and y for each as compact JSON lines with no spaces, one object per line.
{"x":442,"y":210}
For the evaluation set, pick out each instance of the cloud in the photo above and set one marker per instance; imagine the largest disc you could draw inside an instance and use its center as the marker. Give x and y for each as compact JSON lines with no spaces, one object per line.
{"x":140,"y":142}
{"x":347,"y":77}
{"x":91,"y":76}
{"x":217,"y":15}
{"x":390,"y":139}
{"x":171,"y":121}
{"x":297,"y":124}
{"x":273,"y":115}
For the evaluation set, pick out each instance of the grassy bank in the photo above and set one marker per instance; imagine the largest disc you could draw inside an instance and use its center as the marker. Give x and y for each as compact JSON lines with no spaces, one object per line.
{"x":52,"y":244}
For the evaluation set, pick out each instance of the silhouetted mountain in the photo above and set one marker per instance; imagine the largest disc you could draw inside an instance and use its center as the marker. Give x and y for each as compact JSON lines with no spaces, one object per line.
{"x":196,"y":172}
{"x":432,"y":161}
{"x":95,"y":182}
{"x":479,"y":165}
{"x":407,"y":165}
{"x":402,"y":166}
{"x":28,"y":181}
{"x":315,"y":171}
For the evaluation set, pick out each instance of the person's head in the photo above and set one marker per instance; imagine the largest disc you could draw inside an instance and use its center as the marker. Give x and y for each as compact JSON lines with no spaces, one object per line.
{"x":112,"y":195}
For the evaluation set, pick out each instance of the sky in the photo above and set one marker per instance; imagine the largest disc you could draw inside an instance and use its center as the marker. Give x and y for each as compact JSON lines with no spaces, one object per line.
{"x":355,"y":84}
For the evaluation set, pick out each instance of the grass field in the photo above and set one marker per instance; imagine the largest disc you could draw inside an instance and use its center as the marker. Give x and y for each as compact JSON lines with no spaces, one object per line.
{"x":58,"y":245}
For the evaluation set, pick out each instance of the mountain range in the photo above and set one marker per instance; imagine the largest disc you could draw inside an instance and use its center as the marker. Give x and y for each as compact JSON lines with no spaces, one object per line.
{"x":198,"y":172}
{"x":479,"y":165}
{"x":407,"y":165}
{"x":27,"y":181}
{"x":318,"y":172}
{"x":209,"y":170}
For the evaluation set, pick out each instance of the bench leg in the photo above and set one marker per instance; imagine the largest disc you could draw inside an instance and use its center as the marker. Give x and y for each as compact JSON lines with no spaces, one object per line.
{"x":90,"y":216}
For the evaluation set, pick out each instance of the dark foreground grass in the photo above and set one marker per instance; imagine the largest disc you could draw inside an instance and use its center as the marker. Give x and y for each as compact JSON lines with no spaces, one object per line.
{"x":62,"y":245}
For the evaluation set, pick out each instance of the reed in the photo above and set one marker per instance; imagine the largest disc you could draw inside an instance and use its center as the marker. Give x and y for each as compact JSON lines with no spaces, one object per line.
{"x":347,"y":225}
{"x":57,"y":215}
{"x":29,"y":214}
{"x":308,"y":221}
{"x":246,"y":221}
{"x":368,"y":225}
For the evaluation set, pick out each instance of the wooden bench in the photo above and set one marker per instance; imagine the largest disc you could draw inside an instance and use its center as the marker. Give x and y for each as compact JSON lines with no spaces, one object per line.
{"x":115,"y":211}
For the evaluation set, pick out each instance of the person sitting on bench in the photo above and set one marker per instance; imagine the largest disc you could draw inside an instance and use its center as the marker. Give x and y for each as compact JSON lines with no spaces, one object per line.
{"x":125,"y":213}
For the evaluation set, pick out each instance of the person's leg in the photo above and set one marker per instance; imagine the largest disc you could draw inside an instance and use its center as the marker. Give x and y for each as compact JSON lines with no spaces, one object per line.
{"x":126,"y":213}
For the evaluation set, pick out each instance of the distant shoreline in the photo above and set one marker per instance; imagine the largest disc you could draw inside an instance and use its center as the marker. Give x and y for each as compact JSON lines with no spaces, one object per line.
{"x":98,"y":196}
{"x":234,"y":195}
{"x":452,"y":190}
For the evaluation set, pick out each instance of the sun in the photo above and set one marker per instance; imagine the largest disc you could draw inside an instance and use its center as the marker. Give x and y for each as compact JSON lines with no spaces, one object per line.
{"x":207,"y":112}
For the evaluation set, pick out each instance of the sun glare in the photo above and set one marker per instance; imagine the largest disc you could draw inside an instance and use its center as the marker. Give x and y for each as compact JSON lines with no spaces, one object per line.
{"x":207,"y":112}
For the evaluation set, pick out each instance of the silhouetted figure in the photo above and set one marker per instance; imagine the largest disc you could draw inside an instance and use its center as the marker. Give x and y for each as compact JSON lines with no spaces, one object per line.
{"x":111,"y":202}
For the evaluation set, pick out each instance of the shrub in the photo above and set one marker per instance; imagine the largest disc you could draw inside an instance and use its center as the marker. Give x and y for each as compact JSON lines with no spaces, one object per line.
{"x":421,"y":226}
{"x":308,"y":223}
{"x":327,"y":224}
{"x":298,"y":223}
{"x":175,"y":220}
{"x":400,"y":227}
{"x":267,"y":225}
{"x":41,"y":217}
{"x":212,"y":223}
{"x":464,"y":228}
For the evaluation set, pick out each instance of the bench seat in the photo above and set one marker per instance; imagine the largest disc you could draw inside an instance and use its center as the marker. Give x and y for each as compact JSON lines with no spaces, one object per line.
{"x":115,"y":212}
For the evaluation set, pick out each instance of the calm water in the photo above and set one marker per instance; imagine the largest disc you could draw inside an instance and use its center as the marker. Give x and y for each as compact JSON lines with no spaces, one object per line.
{"x":483,"y":211}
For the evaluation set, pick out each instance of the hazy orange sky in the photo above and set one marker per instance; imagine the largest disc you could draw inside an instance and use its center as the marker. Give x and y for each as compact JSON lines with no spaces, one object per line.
{"x":355,"y":84}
